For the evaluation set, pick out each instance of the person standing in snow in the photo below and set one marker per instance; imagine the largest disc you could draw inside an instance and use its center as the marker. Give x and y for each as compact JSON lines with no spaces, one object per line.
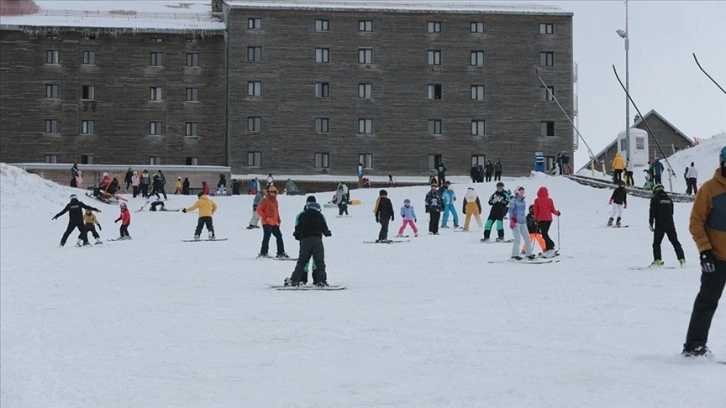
{"x":135,"y":180}
{"x":384,"y":214}
{"x":544,"y":208}
{"x":125,"y":218}
{"x":661,"y":213}
{"x":207,"y":208}
{"x":518,"y":224}
{"x":488,"y":171}
{"x":408,"y":216}
{"x":185,"y":186}
{"x":90,"y":221}
{"x":75,"y":220}
{"x":499,"y":201}
{"x":303,"y":279}
{"x":533,"y":229}
{"x":656,"y":170}
{"x":255,"y":220}
{"x":144,"y":183}
{"x":309,"y":231}
{"x":74,"y":174}
{"x":498,"y":171}
{"x":448,"y":196}
{"x":471,"y":206}
{"x":708,"y":228}
{"x":618,"y":166}
{"x":441,"y":171}
{"x":341,"y":199}
{"x":128,"y":178}
{"x":692,"y":179}
{"x":619,"y":200}
{"x":269,"y":213}
{"x":434,"y":206}
{"x":178,"y":186}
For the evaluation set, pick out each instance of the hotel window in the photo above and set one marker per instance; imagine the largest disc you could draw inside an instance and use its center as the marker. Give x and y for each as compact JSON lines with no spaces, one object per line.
{"x":322,"y":55}
{"x":155,"y":160}
{"x":365,"y":126}
{"x":435,"y":127}
{"x":365,"y":56}
{"x":546,"y":95}
{"x":254,"y":54}
{"x":254,"y":23}
{"x":88,"y":92}
{"x":89,"y":58}
{"x":434,"y":91}
{"x":52,"y":57}
{"x":477,"y":27}
{"x":191,"y":161}
{"x":365,"y":25}
{"x":254,"y":88}
{"x":51,"y":158}
{"x":476,"y":58}
{"x":366,"y":159}
{"x":254,"y":124}
{"x":477,"y":93}
{"x":546,"y":28}
{"x":547,"y":128}
{"x":434,"y":57}
{"x":322,"y":125}
{"x":192,"y":59}
{"x":88,"y":127}
{"x":156,"y":59}
{"x":86,"y":159}
{"x":51,"y":126}
{"x":156,"y":128}
{"x":254,"y":159}
{"x":322,"y":160}
{"x":52,"y":91}
{"x":478,"y":128}
{"x":546,"y":59}
{"x":192,"y":94}
{"x":322,"y":90}
{"x":365,"y":91}
{"x":155,"y":94}
{"x":433,"y":27}
{"x":322,"y":25}
{"x":191,"y":129}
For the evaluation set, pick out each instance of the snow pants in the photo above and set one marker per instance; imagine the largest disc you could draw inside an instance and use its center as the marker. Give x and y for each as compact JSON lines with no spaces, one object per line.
{"x":704,"y":307}
{"x":536,"y":236}
{"x":204,"y":221}
{"x":434,"y":222}
{"x":92,"y":229}
{"x":449,"y":208}
{"x":544,"y":228}
{"x":81,"y":228}
{"x":123,"y":230}
{"x":691,"y":183}
{"x":467,"y":220}
{"x":310,"y":247}
{"x":617,"y":176}
{"x":406,"y":222}
{"x":521,"y":233}
{"x":488,"y":227}
{"x":670,"y":231}
{"x":255,"y":218}
{"x":268,"y":230}
{"x":617,"y":211}
{"x":497,"y":176}
{"x":343,"y":208}
{"x":383,"y":233}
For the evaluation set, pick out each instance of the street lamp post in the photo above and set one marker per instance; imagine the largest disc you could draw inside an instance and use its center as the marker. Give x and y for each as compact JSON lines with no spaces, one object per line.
{"x":625,"y":35}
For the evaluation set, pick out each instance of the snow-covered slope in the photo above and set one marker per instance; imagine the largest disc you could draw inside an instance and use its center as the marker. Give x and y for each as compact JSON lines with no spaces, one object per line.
{"x":429,"y":323}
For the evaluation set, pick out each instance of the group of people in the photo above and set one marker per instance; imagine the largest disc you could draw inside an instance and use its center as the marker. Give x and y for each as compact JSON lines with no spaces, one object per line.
{"x":487,"y":172}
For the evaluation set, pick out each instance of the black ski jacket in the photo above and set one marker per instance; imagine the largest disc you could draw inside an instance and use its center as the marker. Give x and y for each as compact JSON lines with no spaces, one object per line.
{"x":620,"y":196}
{"x":75,"y":211}
{"x":434,"y":203}
{"x":311,"y":223}
{"x":384,"y":209}
{"x":661,"y":210}
{"x":532,"y":225}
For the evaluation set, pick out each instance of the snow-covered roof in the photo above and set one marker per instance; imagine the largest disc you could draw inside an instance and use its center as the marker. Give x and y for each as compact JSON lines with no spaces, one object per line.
{"x":140,"y":16}
{"x":403,"y":6}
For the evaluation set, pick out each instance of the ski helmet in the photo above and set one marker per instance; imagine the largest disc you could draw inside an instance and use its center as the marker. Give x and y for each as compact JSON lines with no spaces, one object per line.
{"x":73,"y":196}
{"x":313,"y":206}
{"x":122,"y":205}
{"x":658,"y":187}
{"x":723,"y":155}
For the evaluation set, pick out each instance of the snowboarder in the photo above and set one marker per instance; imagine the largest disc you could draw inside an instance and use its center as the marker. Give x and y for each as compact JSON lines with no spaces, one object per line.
{"x":544,"y":208}
{"x":691,"y":180}
{"x":661,"y":213}
{"x":311,"y":264}
{"x":434,"y":206}
{"x":341,"y":199}
{"x":384,"y":214}
{"x":125,"y":218}
{"x":448,"y":196}
{"x":707,"y":224}
{"x":471,"y":206}
{"x":499,"y":200}
{"x":90,"y":221}
{"x":309,"y":231}
{"x":269,"y":213}
{"x":408,"y":216}
{"x":518,"y":224}
{"x":75,"y":220}
{"x":207,"y":208}
{"x":618,"y":167}
{"x":619,"y":201}
{"x":255,"y":220}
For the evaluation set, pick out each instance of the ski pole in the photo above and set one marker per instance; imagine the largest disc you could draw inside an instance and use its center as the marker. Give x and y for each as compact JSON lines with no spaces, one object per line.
{"x":601,"y":208}
{"x":559,"y":243}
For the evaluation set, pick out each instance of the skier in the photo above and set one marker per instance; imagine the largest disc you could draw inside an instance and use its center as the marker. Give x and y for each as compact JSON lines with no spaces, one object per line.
{"x":125,"y":218}
{"x":618,"y":200}
{"x":707,"y":224}
{"x":269,"y":213}
{"x":434,"y":206}
{"x":499,"y":200}
{"x":691,"y":180}
{"x":618,"y":166}
{"x":309,"y":231}
{"x":656,"y":169}
{"x":498,"y":171}
{"x":178,"y":186}
{"x":471,"y":206}
{"x":75,"y":220}
{"x":384,"y":215}
{"x":544,"y":208}
{"x":155,"y":201}
{"x":441,"y":171}
{"x":128,"y":179}
{"x":90,"y":221}
{"x":533,"y":229}
{"x":341,"y":198}
{"x":448,"y":196}
{"x":408,"y":215}
{"x":255,"y":220}
{"x":661,"y":212}
{"x":207,"y":208}
{"x":518,"y":224}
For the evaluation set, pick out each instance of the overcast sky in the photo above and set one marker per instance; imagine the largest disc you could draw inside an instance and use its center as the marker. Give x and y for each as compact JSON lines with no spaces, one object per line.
{"x":663,"y":74}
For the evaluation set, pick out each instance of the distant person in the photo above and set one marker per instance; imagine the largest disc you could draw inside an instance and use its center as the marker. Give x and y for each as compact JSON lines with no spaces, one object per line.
{"x":207,"y":208}
{"x":656,"y":170}
{"x":618,"y":166}
{"x":178,"y":186}
{"x":661,"y":214}
{"x":384,"y":214}
{"x":125,"y":218}
{"x":269,"y":213}
{"x":128,"y":179}
{"x":692,"y":179}
{"x":488,"y":171}
{"x":359,"y":173}
{"x":441,"y":172}
{"x":498,"y":171}
{"x":186,"y":186}
{"x":74,"y":174}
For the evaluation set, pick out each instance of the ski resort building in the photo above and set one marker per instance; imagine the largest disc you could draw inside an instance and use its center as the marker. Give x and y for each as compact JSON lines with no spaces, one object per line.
{"x":296,"y":87}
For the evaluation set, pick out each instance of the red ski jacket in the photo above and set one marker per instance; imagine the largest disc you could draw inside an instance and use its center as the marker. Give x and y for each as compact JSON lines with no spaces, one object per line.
{"x":544,"y":207}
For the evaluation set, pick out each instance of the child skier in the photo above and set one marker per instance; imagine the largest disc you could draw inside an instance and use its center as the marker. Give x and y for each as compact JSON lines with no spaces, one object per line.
{"x":434,"y":206}
{"x":178,"y":186}
{"x":75,"y":220}
{"x":544,"y":208}
{"x":518,"y":224}
{"x":207,"y":208}
{"x":661,"y":213}
{"x":618,"y":200}
{"x":533,"y":228}
{"x":499,"y":201}
{"x":255,"y":220}
{"x":384,"y":215}
{"x":448,"y":196}
{"x":408,"y":215}
{"x":90,"y":221}
{"x":471,"y":206}
{"x":155,"y":201}
{"x":125,"y":219}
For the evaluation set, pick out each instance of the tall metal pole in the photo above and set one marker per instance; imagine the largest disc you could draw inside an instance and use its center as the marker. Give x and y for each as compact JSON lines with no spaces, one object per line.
{"x":627,"y":87}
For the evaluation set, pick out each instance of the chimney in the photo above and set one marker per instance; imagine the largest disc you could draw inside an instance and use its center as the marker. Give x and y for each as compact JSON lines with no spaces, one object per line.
{"x":636,"y":118}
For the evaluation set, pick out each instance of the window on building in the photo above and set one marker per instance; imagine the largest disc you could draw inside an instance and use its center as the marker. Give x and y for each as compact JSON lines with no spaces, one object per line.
{"x":546,"y":59}
{"x":477,"y":27}
{"x":52,"y":36}
{"x":547,"y":128}
{"x":155,"y":160}
{"x":433,"y":27}
{"x":254,"y":124}
{"x":51,"y":126}
{"x":322,"y":90}
{"x":89,"y":58}
{"x":191,"y":129}
{"x":478,"y":127}
{"x":365,"y":56}
{"x":88,"y":127}
{"x":51,"y":158}
{"x":547,"y":93}
{"x":192,"y":95}
{"x":86,"y":159}
{"x":52,"y":91}
{"x":254,"y":88}
{"x":156,"y":128}
{"x":322,"y":55}
{"x":192,"y":59}
{"x":155,"y":94}
{"x":434,"y":91}
{"x":477,"y":92}
{"x":322,"y":25}
{"x":191,"y":161}
{"x":365,"y":91}
{"x":322,"y":160}
{"x":435,"y":127}
{"x":478,"y":160}
{"x":52,"y":57}
{"x":90,"y":37}
{"x":476,"y":58}
{"x":254,"y":23}
{"x":546,"y":28}
{"x":434,"y":57}
{"x":623,"y":145}
{"x":88,"y":92}
{"x":254,"y":159}
{"x":156,"y":39}
{"x":640,"y":143}
{"x":365,"y":126}
{"x":190,"y":41}
{"x":156,"y":59}
{"x":254,"y":54}
{"x":365,"y":25}
{"x":322,"y":125}
{"x":366,"y":159}
{"x":434,"y":160}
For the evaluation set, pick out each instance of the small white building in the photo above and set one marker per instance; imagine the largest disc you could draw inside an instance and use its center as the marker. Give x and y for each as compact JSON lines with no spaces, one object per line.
{"x":638,"y":147}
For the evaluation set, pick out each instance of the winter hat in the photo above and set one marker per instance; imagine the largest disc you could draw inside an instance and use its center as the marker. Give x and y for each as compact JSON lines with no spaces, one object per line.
{"x":658,"y":187}
{"x":500,"y":184}
{"x":406,"y":201}
{"x":311,"y":199}
{"x":471,"y":188}
{"x":313,"y":206}
{"x":122,"y":205}
{"x":200,"y":195}
{"x":272,"y":189}
{"x":383,"y":193}
{"x":105,"y":174}
{"x":73,"y":196}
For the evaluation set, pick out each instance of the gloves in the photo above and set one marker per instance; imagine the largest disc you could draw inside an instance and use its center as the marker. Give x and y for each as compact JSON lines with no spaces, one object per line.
{"x":415,"y":220}
{"x":184,"y":210}
{"x":513,"y":222}
{"x":116,"y":221}
{"x":611,"y":201}
{"x":55,"y":218}
{"x":99,"y":227}
{"x":651,"y":228}
{"x":328,"y":234}
{"x":559,"y":213}
{"x":625,"y":206}
{"x":377,"y":219}
{"x":708,"y":264}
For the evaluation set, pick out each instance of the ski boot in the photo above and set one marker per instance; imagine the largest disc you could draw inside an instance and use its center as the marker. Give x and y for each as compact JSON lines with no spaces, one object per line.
{"x":695,"y":351}
{"x":610,"y":222}
{"x":282,"y":255}
{"x":322,"y":284}
{"x":656,"y":263}
{"x":211,"y":235}
{"x":617,"y":223}
{"x":290,"y":282}
{"x":682,"y":262}
{"x":517,"y":258}
{"x":499,"y":239}
{"x":263,"y":255}
{"x":196,"y":237}
{"x":98,"y":241}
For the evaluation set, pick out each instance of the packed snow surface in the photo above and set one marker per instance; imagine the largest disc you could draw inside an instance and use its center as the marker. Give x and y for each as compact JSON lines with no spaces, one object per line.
{"x":157,"y":322}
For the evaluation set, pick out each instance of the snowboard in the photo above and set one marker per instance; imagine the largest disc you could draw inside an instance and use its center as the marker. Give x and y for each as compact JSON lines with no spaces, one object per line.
{"x":390,"y":241}
{"x":528,"y":261}
{"x":615,"y":226}
{"x":200,"y":240}
{"x":648,"y":267}
{"x":306,"y":287}
{"x":276,"y":258}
